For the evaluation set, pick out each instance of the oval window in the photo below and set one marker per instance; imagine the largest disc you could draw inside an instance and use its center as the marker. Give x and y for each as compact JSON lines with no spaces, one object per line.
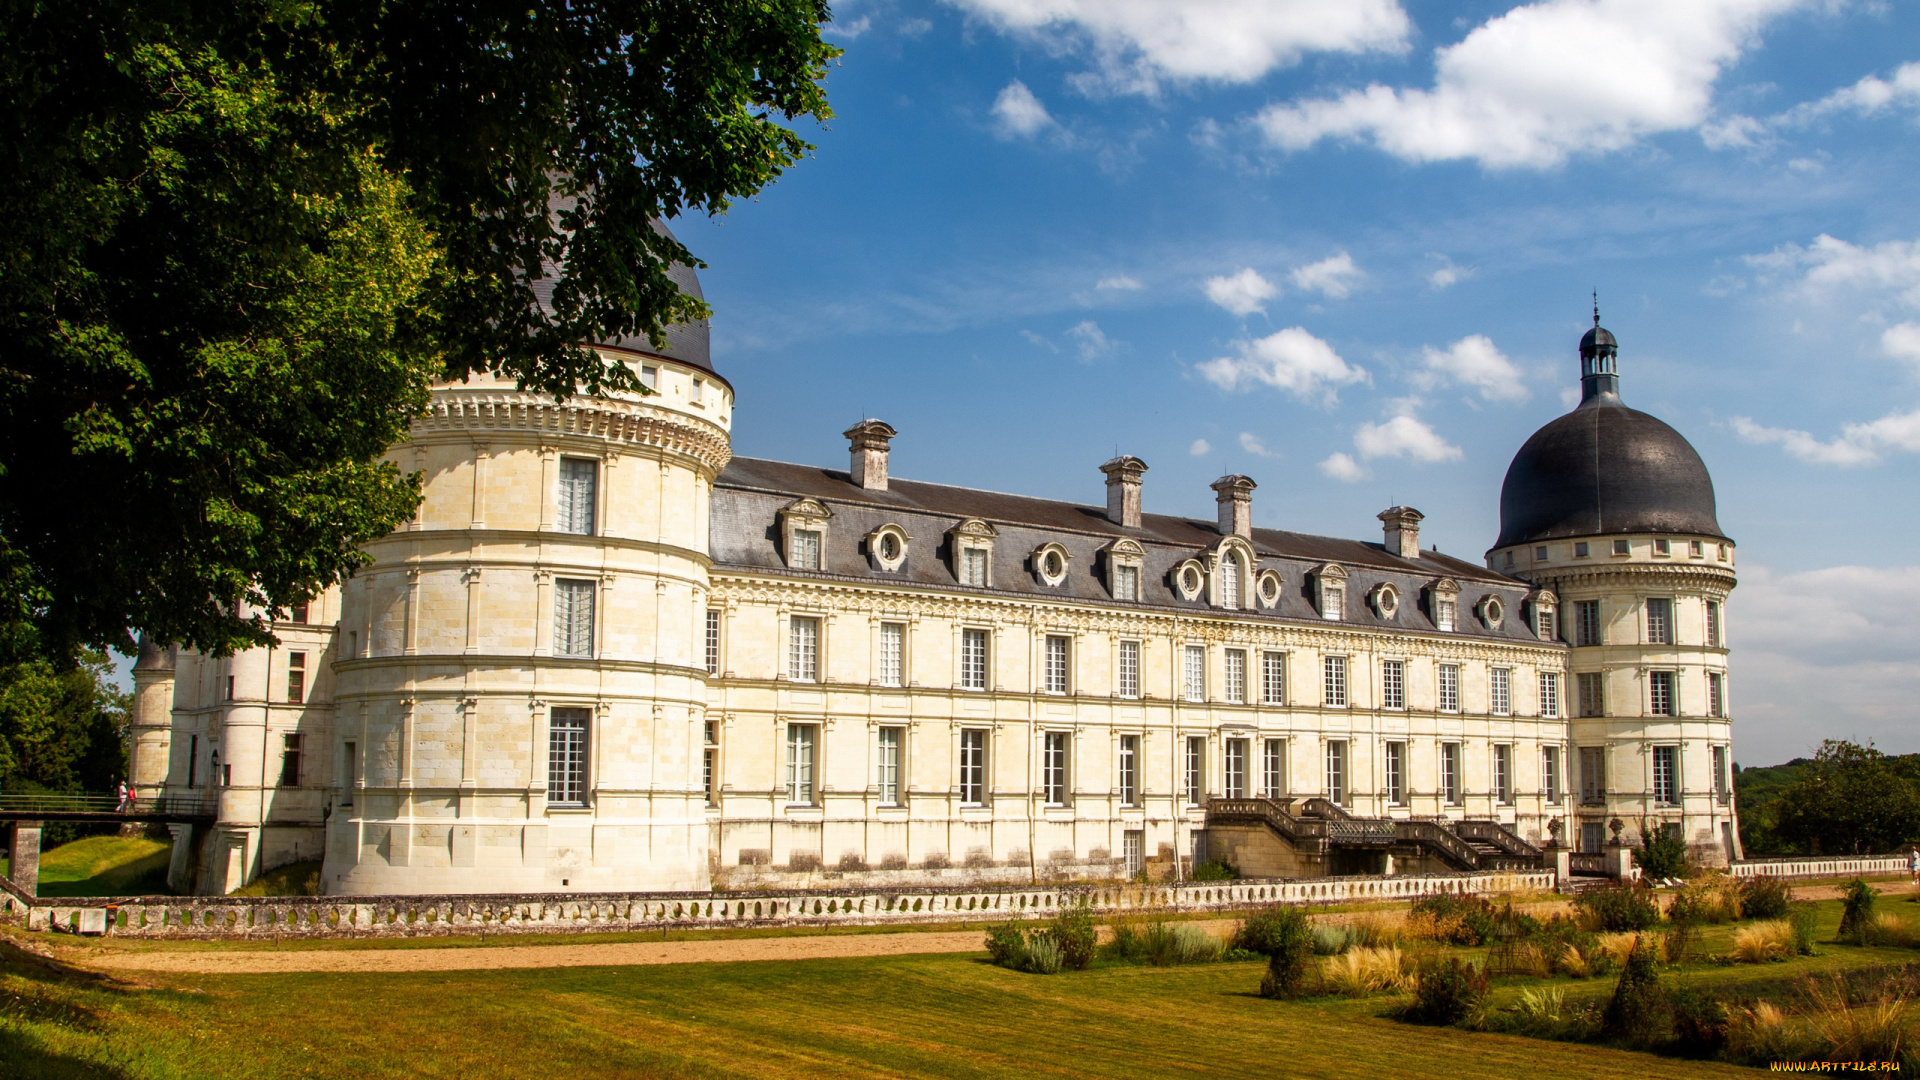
{"x":1270,"y":589}
{"x":889,"y":547}
{"x":1052,"y":566}
{"x":1190,"y":581}
{"x":1495,"y":612}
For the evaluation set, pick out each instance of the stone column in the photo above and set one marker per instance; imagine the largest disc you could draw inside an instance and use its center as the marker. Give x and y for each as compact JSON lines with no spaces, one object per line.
{"x":23,"y":853}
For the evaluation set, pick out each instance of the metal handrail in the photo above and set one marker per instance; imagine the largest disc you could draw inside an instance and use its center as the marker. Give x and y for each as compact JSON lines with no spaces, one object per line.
{"x":1439,"y":837}
{"x":1299,"y":832}
{"x":1492,"y":832}
{"x":60,"y":803}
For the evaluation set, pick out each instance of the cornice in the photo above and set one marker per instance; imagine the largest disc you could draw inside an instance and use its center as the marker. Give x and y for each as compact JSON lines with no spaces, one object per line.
{"x":1709,"y":577}
{"x":631,"y":423}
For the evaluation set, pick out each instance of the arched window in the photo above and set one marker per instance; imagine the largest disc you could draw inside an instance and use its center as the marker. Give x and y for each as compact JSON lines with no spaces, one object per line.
{"x":1230,"y":580}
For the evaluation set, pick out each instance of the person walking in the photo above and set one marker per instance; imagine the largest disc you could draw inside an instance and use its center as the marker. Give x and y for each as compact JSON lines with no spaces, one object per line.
{"x":124,"y":797}
{"x":1913,"y":865}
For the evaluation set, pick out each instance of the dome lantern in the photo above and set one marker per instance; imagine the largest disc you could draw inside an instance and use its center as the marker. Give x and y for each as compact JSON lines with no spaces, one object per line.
{"x":1599,"y":373}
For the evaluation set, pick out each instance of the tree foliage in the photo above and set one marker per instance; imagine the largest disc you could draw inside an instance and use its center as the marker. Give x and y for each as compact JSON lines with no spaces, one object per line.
{"x":239,"y":240}
{"x":62,"y":728}
{"x":1849,"y":800}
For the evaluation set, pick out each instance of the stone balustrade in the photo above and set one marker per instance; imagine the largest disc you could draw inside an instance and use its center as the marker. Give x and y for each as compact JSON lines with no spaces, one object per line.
{"x":1821,"y":866}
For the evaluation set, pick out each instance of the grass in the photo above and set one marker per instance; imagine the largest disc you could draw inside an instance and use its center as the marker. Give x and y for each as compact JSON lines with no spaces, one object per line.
{"x":293,"y":879}
{"x":105,"y":866}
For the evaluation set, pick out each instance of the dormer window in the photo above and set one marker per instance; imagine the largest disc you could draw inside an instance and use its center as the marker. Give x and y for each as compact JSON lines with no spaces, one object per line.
{"x":804,"y":523}
{"x":1443,"y":604}
{"x":1232,"y":563}
{"x":1267,"y":586}
{"x":1385,"y":600}
{"x":1330,"y":582}
{"x":1049,"y":563}
{"x":887,"y":547}
{"x":1492,"y":611}
{"x":1230,"y":580}
{"x":1123,"y":560}
{"x":971,"y":543}
{"x":1189,"y":580}
{"x":1546,"y":615}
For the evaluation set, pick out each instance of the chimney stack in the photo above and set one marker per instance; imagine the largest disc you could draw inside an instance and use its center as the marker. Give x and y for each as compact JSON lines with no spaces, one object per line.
{"x":869,"y":439}
{"x":1403,"y":530}
{"x":1235,"y":496}
{"x":1123,"y":490}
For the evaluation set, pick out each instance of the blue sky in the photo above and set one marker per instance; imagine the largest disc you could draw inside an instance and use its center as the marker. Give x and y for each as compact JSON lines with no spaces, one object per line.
{"x":1347,"y":249}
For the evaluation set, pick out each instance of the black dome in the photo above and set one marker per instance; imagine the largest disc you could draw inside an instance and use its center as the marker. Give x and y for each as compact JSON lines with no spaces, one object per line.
{"x":1595,"y":337}
{"x":689,"y":343}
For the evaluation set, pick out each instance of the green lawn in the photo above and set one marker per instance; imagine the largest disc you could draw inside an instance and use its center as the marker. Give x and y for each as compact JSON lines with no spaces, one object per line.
{"x":103,"y":866}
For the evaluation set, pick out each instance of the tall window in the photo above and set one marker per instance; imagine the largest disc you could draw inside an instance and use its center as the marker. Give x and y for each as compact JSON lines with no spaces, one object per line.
{"x":1133,"y":848}
{"x":1593,"y":774}
{"x":577,"y":484}
{"x":713,"y":642}
{"x":1500,"y":691}
{"x":650,"y":377}
{"x":1503,"y":773}
{"x":1659,"y":621}
{"x":1660,"y":696}
{"x":1450,"y":773}
{"x":1721,"y":779}
{"x":1333,"y":600}
{"x":1546,"y":622}
{"x":973,"y":566}
{"x":1236,"y":763}
{"x":1550,"y":773}
{"x":802,"y":750}
{"x":887,"y":757}
{"x":1337,"y":771}
{"x":1443,"y":613}
{"x":350,"y":776}
{"x":1713,"y":624}
{"x":1053,"y":768}
{"x":1230,"y":582}
{"x":710,"y":762}
{"x":297,"y":677}
{"x":973,"y":659}
{"x":1237,"y":676}
{"x":803,"y":648}
{"x":1196,"y":673}
{"x":567,"y":757}
{"x":299,"y":613}
{"x":806,"y":549}
{"x":1056,"y":664}
{"x":1550,"y":694}
{"x":1129,"y":770}
{"x":193,"y":761}
{"x":1397,"y":773}
{"x":973,"y":766}
{"x":1273,"y":678}
{"x":1273,"y":768}
{"x":1716,"y":694}
{"x":290,"y":761}
{"x":1593,"y":700}
{"x":572,"y":618}
{"x":1666,"y":775}
{"x":893,"y":652}
{"x":1393,"y":684}
{"x":1449,"y":687}
{"x":1130,"y":669}
{"x":1196,"y":769}
{"x":1586,"y":622}
{"x":1126,"y":582}
{"x":1336,"y":678}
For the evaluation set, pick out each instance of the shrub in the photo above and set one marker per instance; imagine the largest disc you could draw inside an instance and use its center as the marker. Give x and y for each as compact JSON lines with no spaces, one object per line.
{"x":1856,"y":914}
{"x":1705,"y":901}
{"x":1678,"y":942}
{"x":1763,"y":942}
{"x":1215,"y":870}
{"x":1847,"y":1030}
{"x":1616,"y":948}
{"x":1172,"y":944}
{"x":1450,"y":917}
{"x":1073,"y":932}
{"x":1617,"y":907}
{"x":1284,"y":936}
{"x":1893,"y":930}
{"x":1764,"y":898}
{"x":1128,"y":944}
{"x":1330,"y":940}
{"x":1007,"y":945}
{"x":1451,"y":992}
{"x":1540,"y":1008}
{"x":1636,"y":1014}
{"x":1044,"y":955}
{"x":1761,"y":1032}
{"x":1372,"y":932}
{"x":1802,"y":917}
{"x":1361,"y":971}
{"x":1661,"y":854}
{"x":1571,"y":961}
{"x":1699,"y":1022}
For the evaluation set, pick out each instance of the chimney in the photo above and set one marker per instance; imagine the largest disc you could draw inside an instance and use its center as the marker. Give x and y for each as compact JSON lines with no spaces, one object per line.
{"x":1123,"y":490}
{"x":869,"y":439}
{"x":1235,"y":496}
{"x":1403,"y":530}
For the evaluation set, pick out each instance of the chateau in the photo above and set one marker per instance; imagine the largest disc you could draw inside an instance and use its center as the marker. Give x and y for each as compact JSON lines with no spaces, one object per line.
{"x":608,"y":655}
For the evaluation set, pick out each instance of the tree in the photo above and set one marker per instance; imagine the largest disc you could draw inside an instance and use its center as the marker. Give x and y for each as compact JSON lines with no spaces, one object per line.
{"x":62,"y":729}
{"x":1849,"y":800}
{"x":239,"y":240}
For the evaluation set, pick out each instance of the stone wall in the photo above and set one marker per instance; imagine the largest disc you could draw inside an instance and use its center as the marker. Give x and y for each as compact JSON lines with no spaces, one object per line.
{"x":1849,"y":866}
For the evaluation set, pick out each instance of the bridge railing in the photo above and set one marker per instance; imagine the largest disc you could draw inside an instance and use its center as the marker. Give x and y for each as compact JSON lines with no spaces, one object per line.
{"x":56,"y":803}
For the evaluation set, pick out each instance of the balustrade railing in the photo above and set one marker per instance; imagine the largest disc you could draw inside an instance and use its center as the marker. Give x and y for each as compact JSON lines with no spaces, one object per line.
{"x":161,"y":806}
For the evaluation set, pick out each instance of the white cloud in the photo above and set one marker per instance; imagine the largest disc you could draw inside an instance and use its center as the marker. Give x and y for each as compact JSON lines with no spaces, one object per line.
{"x":1333,"y":277}
{"x":1093,"y":342}
{"x":1137,"y":42}
{"x":1251,"y":444}
{"x":1866,"y":97}
{"x":1200,"y":448}
{"x":1342,"y":467}
{"x":1243,"y":293}
{"x":1448,"y":275}
{"x":1040,"y":341}
{"x":1292,"y":360}
{"x":1018,"y":114}
{"x":1473,"y":361}
{"x":1545,"y":81}
{"x":1403,"y":436}
{"x":851,"y":30}
{"x":1831,"y":264}
{"x":1121,"y":282}
{"x":1902,"y":342}
{"x":1856,"y":445}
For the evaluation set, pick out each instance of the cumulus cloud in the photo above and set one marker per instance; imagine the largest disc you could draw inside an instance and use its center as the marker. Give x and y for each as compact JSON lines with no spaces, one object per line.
{"x":1448,"y":275}
{"x":1251,"y":444}
{"x":1137,"y":43}
{"x":1342,"y":467}
{"x":1291,"y":360}
{"x":1473,"y":361}
{"x":1545,"y":81}
{"x":1200,"y":448}
{"x":1856,"y":445}
{"x":1092,"y":342}
{"x":1121,"y":283}
{"x":1401,"y":435}
{"x":1017,"y":114}
{"x":1243,"y":293}
{"x":1866,"y":97}
{"x":1902,"y":342}
{"x":1334,"y":276}
{"x":1829,"y":264}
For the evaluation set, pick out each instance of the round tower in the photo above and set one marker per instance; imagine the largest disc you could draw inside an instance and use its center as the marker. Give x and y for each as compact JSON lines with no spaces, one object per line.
{"x":1611,"y":514}
{"x":521,"y":672}
{"x":150,"y":743}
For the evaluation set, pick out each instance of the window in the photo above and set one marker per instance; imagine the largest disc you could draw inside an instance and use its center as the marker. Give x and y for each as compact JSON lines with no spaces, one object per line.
{"x":1336,"y":681}
{"x":1051,"y":564}
{"x":1333,"y":600}
{"x":1593,"y":775}
{"x":352,"y":773}
{"x":1546,"y":622}
{"x":1196,"y":673}
{"x":887,"y":757}
{"x":893,"y":652}
{"x":1550,"y":774}
{"x":1540,"y":553}
{"x":1500,"y":691}
{"x":1663,"y":548}
{"x":1397,"y":773}
{"x":1723,"y":553}
{"x":801,"y":759}
{"x":1581,"y":550}
{"x":1196,"y":763}
{"x":297,"y":677}
{"x":1053,"y":768}
{"x":230,"y":687}
{"x":1593,"y":837}
{"x":973,"y":566}
{"x":1503,"y":774}
{"x":973,"y":659}
{"x":710,"y":762}
{"x":1133,"y":847}
{"x":1713,"y":624}
{"x":1450,"y":773}
{"x":1337,"y":771}
{"x":713,"y":642}
{"x":1716,"y":694}
{"x":973,"y":766}
{"x":1622,"y":547}
{"x":650,"y":377}
{"x":1550,"y":694}
{"x":567,"y":757}
{"x":578,"y":481}
{"x":1230,"y":581}
{"x":572,"y":618}
{"x":1273,"y":678}
{"x":1273,"y":768}
{"x":1696,"y":549}
{"x":1236,"y":768}
{"x":1659,"y":621}
{"x":1237,"y":676}
{"x":1660,"y":697}
{"x":299,"y":613}
{"x":803,"y":648}
{"x":1593,"y":701}
{"x":1449,"y":687}
{"x":1126,"y":582}
{"x":806,"y":549}
{"x":1393,"y":684}
{"x":1509,"y":562}
{"x":1129,"y":669}
{"x":1666,"y":775}
{"x":1444,"y":612}
{"x":193,"y":761}
{"x":1586,"y":621}
{"x":698,"y":393}
{"x":290,"y":761}
{"x":1056,"y":664}
{"x":888,"y":550}
{"x":1129,"y":770}
{"x":1721,"y":780}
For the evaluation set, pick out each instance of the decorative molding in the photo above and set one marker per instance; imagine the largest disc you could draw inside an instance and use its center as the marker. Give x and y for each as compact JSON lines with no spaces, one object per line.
{"x":628,"y":424}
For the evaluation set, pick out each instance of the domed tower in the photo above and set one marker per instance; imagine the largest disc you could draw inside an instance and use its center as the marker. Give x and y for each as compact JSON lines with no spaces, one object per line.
{"x":1610,"y":513}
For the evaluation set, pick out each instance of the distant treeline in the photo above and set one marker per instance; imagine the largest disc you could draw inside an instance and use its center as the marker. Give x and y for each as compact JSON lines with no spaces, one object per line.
{"x":1847,"y":799}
